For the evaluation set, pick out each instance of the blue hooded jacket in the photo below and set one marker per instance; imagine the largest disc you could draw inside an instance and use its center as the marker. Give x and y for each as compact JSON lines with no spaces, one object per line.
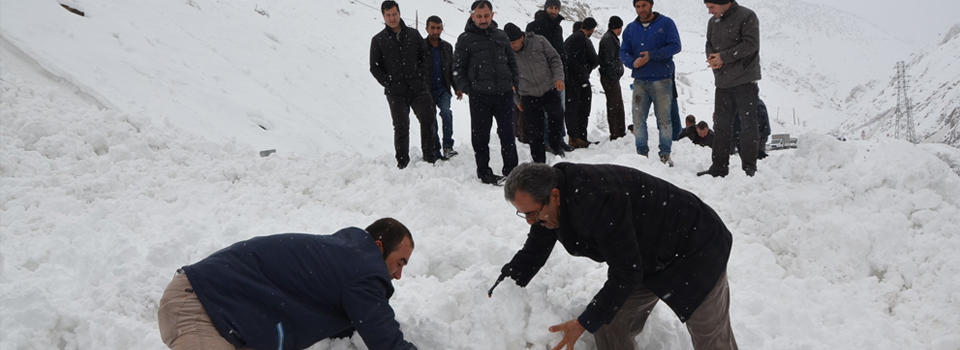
{"x":660,"y":38}
{"x":289,"y":291}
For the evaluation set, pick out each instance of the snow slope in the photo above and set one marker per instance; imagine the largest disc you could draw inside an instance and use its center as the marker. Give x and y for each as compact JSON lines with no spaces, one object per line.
{"x":293,"y":76}
{"x":933,"y":85}
{"x":838,"y":245}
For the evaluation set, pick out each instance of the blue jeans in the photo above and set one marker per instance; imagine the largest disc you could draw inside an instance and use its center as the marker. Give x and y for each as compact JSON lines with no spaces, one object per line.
{"x":660,"y":93}
{"x":442,"y":100}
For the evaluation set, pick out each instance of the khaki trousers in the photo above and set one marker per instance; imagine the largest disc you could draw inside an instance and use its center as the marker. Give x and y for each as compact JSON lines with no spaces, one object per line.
{"x":709,"y":326}
{"x":184,"y":324}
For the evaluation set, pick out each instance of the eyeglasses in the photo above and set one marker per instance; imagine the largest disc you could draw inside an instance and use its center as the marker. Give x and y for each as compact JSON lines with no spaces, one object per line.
{"x":526,"y":216}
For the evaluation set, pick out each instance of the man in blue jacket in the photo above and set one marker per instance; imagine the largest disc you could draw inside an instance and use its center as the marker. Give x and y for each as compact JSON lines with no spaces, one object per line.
{"x":289,"y":291}
{"x":649,"y":43}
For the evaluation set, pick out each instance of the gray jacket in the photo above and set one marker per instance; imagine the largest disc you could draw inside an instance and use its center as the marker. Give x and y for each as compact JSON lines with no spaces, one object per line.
{"x":736,"y":36}
{"x":540,"y":66}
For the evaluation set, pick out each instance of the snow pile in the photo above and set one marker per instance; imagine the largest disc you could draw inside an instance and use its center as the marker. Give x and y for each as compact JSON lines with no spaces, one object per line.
{"x":837,"y":245}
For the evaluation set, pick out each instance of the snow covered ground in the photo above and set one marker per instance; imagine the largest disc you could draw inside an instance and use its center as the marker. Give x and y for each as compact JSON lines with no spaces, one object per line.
{"x":120,"y":164}
{"x":838,"y":245}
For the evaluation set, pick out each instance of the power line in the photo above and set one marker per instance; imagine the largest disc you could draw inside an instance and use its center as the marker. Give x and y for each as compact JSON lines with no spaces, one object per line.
{"x":904,"y":122}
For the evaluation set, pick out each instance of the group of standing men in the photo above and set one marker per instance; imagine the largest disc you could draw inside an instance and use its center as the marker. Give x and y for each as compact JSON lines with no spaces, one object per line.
{"x":548,"y":78}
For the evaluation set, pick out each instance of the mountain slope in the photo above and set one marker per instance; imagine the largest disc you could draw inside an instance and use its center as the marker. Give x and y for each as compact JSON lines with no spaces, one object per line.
{"x":933,"y":87}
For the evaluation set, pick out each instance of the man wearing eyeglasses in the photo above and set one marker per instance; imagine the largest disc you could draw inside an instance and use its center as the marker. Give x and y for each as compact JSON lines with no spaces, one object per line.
{"x":660,"y":242}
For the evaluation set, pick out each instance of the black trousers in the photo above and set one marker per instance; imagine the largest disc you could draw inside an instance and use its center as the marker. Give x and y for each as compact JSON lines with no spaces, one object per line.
{"x":615,"y":112}
{"x":484,"y":108}
{"x":534,"y":109}
{"x":579,"y":99}
{"x":426,"y":111}
{"x":740,"y":99}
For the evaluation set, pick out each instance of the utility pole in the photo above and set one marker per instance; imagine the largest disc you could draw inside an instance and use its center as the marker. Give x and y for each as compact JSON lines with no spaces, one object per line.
{"x":904,"y":125}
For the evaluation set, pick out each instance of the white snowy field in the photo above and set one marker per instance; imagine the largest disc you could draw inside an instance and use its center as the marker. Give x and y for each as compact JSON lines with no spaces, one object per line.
{"x":837,"y":245}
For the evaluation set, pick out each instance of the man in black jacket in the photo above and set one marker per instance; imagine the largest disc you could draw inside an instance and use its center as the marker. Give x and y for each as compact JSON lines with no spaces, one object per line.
{"x":546,"y":23}
{"x":441,"y":79}
{"x":581,"y":61}
{"x":703,"y":136}
{"x":485,"y":69}
{"x":611,"y":70}
{"x":399,"y":59}
{"x":733,"y":52}
{"x":659,"y":241}
{"x":289,"y":291}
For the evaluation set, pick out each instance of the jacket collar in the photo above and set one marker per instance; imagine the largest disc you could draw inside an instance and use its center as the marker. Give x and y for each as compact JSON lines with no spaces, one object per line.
{"x":471,"y":27}
{"x":733,"y":9}
{"x":389,"y":30}
{"x":656,"y":17}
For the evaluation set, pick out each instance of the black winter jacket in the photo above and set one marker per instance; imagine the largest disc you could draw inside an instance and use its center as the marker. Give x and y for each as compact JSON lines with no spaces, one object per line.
{"x":736,"y":37}
{"x":581,"y":57}
{"x":400,"y":61}
{"x":549,"y":28}
{"x":292,"y":290}
{"x":610,"y":65}
{"x":648,"y":231}
{"x":446,"y":62}
{"x":483,"y":61}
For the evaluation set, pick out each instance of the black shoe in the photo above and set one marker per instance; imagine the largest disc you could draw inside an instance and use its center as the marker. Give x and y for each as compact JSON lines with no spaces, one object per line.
{"x":402,"y":164}
{"x":630,"y":127}
{"x":712,"y":172}
{"x":493,"y":179}
{"x":761,"y":155}
{"x":750,"y":172}
{"x":560,"y":152}
{"x":564,"y":146}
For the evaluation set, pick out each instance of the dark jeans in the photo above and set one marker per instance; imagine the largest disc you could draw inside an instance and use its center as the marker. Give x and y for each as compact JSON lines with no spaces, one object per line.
{"x":442,"y":101}
{"x":579,"y":98}
{"x":426,"y":112}
{"x":534,"y":110}
{"x":740,"y":99}
{"x":615,"y":111}
{"x":675,"y":120}
{"x":484,"y":108}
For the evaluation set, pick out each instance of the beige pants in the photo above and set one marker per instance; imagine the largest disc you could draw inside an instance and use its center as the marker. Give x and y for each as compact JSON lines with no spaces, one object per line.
{"x":184,"y":324}
{"x":709,"y":326}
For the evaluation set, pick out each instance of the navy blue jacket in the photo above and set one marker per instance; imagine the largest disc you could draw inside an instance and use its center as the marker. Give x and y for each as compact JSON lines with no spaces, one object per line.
{"x":660,"y":38}
{"x":289,"y":291}
{"x":648,"y":231}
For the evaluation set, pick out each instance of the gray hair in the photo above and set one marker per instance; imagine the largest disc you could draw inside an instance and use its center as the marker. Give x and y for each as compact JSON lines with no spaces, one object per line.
{"x":536,"y":179}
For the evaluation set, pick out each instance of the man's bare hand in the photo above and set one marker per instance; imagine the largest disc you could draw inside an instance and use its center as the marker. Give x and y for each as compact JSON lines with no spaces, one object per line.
{"x":714,"y":61}
{"x":520,"y":107}
{"x":572,"y":330}
{"x":459,"y":95}
{"x":642,"y":59}
{"x":559,"y":85}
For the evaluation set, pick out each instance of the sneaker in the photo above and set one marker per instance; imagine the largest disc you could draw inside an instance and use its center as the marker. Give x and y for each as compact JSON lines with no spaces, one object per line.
{"x":493,"y":179}
{"x":712,"y":172}
{"x":644,"y":155}
{"x":449,"y":152}
{"x":665,"y":159}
